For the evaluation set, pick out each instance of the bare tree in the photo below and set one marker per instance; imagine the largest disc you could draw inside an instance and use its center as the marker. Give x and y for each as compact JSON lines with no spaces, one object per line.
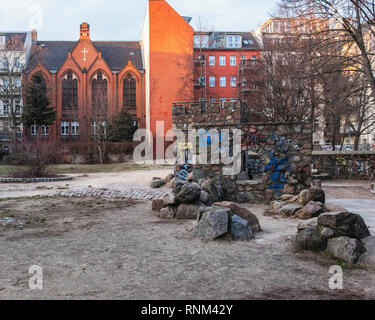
{"x":350,"y":23}
{"x":13,"y":61}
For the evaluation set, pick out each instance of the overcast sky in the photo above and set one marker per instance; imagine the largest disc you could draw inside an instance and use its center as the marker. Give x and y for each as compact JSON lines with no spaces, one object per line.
{"x":123,"y":19}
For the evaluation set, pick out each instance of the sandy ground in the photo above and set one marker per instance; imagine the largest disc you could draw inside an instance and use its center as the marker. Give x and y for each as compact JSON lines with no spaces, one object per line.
{"x":118,"y":249}
{"x":111,"y":180}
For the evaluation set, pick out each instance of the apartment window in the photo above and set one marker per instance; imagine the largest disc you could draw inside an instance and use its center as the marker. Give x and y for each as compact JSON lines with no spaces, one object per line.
{"x":3,"y":65}
{"x":75,"y":128}
{"x":211,"y":60}
{"x":2,"y":40}
{"x":19,"y":128}
{"x":233,"y":81}
{"x":223,"y":81}
{"x":233,"y":61}
{"x":253,"y":59}
{"x":202,"y":81}
{"x":222,"y":101}
{"x":45,"y":130}
{"x":94,"y":128}
{"x":64,"y":128}
{"x":222,"y":60}
{"x":234,"y":41}
{"x":4,"y":109}
{"x":135,"y":123}
{"x":201,"y":41}
{"x":212,"y":81}
{"x":33,"y":130}
{"x":18,"y":108}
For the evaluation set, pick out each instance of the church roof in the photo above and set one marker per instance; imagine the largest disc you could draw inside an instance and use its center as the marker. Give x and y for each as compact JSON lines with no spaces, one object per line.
{"x":115,"y":53}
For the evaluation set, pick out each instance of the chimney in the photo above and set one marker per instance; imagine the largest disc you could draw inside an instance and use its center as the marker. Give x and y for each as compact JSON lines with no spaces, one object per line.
{"x":34,"y":35}
{"x":85,"y":31}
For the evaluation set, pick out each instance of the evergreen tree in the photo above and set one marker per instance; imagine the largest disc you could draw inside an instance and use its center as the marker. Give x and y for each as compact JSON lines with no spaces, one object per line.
{"x":122,"y":127}
{"x":37,"y":110}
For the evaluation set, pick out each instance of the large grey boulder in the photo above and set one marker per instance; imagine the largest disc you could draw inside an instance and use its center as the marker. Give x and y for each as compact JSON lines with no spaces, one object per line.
{"x":310,"y":210}
{"x":308,"y":223}
{"x":213,"y":223}
{"x":242,"y":212}
{"x":189,"y":192}
{"x":157,"y":204}
{"x":157,"y":182}
{"x":290,"y":209}
{"x":214,"y":189}
{"x":368,"y":258}
{"x":187,"y":211}
{"x":169,"y":212}
{"x":318,"y":195}
{"x":346,"y":248}
{"x":240,"y":228}
{"x":310,"y":239}
{"x":205,"y":198}
{"x":345,"y":224}
{"x":178,"y":185}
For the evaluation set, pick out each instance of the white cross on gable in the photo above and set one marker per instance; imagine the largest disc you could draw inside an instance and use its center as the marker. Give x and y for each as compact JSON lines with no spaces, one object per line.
{"x":84,"y":51}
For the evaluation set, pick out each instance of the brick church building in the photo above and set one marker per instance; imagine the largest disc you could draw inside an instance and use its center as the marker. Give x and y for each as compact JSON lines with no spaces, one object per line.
{"x":76,"y":72}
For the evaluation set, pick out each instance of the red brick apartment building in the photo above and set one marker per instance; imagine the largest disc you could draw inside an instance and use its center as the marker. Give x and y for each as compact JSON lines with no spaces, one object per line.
{"x":218,"y":61}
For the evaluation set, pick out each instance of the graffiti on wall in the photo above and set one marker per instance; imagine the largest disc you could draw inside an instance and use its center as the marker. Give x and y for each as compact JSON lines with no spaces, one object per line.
{"x":348,"y":167}
{"x":273,"y":156}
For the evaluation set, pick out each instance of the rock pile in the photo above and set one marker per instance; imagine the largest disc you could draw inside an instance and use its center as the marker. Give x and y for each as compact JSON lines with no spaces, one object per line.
{"x":188,"y":198}
{"x":203,"y":201}
{"x":168,"y":181}
{"x":338,"y":233}
{"x":309,"y":203}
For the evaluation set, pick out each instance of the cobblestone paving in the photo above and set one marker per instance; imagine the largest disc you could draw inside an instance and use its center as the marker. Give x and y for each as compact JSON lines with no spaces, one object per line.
{"x":131,"y":193}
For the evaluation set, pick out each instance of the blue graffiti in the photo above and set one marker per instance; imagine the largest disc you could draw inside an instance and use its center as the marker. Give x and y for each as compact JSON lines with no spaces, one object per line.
{"x":182,"y":171}
{"x":277,"y":166}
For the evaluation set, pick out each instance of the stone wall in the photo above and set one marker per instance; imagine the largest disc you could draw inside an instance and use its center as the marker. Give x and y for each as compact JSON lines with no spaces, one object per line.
{"x":277,"y":156}
{"x":345,"y":164}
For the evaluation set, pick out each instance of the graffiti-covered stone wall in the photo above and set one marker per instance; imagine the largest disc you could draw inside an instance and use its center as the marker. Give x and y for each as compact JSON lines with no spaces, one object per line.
{"x":345,"y":165}
{"x":275,"y":157}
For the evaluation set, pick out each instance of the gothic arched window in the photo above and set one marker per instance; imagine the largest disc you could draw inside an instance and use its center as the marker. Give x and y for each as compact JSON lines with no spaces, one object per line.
{"x":130,"y":92}
{"x":99,"y":91}
{"x":70,"y":91}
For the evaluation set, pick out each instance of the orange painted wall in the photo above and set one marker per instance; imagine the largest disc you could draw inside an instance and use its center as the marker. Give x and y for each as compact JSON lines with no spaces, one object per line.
{"x":171,"y":61}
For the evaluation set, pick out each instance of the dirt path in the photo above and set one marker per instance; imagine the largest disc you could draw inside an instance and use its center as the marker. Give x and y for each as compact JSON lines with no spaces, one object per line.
{"x":112,"y":249}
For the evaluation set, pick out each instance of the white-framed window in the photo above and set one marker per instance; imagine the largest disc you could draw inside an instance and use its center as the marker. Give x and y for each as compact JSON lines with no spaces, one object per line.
{"x":233,"y":99}
{"x":201,"y":41}
{"x":234,"y":41}
{"x":223,"y":81}
{"x":64,"y":128}
{"x":74,"y":127}
{"x":2,"y":40}
{"x":202,"y":81}
{"x":233,"y":81}
{"x":19,"y":128}
{"x":135,"y":123}
{"x":17,"y":107}
{"x":254,"y":59}
{"x":222,"y":60}
{"x":45,"y":130}
{"x":222,"y":101}
{"x":211,"y":60}
{"x":233,"y":61}
{"x":33,"y":130}
{"x":243,"y":59}
{"x":94,"y":126}
{"x":3,"y":64}
{"x":212,"y":81}
{"x":4,"y":109}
